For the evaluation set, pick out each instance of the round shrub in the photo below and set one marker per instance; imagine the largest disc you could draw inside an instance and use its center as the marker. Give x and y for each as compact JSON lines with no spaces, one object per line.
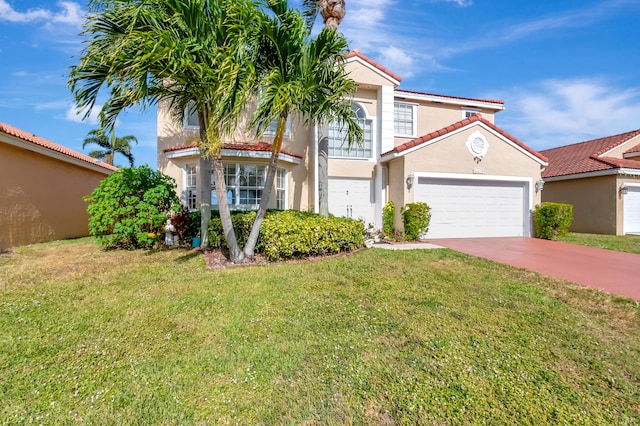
{"x":552,"y":220}
{"x":130,"y":207}
{"x":415,"y":217}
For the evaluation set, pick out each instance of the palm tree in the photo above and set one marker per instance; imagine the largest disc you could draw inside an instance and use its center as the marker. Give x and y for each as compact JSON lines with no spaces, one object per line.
{"x":300,"y":76}
{"x":188,"y":52}
{"x":332,"y":11}
{"x":110,"y":146}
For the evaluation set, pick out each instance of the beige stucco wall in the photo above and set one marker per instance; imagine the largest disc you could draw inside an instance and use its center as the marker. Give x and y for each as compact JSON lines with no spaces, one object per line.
{"x":41,"y":198}
{"x":595,"y":203}
{"x":366,"y":76}
{"x":451,"y":155}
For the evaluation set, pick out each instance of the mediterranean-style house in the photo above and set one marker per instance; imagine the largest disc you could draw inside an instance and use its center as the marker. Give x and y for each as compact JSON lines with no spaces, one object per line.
{"x":444,"y":150}
{"x":601,"y":179}
{"x":42,"y":188}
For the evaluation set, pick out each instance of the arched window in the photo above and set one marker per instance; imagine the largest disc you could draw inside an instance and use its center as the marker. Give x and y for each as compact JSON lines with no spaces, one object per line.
{"x":338,"y":146}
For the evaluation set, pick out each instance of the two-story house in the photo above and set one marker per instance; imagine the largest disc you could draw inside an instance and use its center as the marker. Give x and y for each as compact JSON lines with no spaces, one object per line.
{"x":443,"y":150}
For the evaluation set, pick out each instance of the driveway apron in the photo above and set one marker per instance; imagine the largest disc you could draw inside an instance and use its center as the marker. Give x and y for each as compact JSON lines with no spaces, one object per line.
{"x":607,"y":270}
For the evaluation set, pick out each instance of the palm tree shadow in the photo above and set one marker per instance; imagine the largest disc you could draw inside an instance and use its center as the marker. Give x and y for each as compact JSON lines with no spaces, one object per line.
{"x":190,"y":255}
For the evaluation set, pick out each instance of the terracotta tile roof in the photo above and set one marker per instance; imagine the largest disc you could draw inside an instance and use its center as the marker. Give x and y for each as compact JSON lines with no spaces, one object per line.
{"x":458,"y":125}
{"x":356,"y":53}
{"x":585,"y":157}
{"x":37,"y":140}
{"x":260,"y":146}
{"x":491,"y":101}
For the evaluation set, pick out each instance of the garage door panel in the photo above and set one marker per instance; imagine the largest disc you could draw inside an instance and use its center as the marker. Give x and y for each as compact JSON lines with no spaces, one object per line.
{"x":470,"y":208}
{"x":631,"y":211}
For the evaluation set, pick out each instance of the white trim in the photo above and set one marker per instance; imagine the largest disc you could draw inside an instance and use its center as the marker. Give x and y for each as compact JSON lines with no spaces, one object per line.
{"x":527,"y":181}
{"x":190,"y":152}
{"x":48,"y":152}
{"x":631,"y":154}
{"x":414,"y":119}
{"x":394,"y":155}
{"x":630,"y":185}
{"x":185,"y":118}
{"x":470,"y":141}
{"x":469,"y":103}
{"x":604,"y":154}
{"x":608,"y":172}
{"x":375,"y":69}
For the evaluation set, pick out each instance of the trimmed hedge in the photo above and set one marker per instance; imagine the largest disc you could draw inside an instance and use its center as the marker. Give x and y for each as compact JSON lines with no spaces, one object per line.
{"x":293,"y":234}
{"x":388,"y":212}
{"x":552,"y":220}
{"x":415,"y":218}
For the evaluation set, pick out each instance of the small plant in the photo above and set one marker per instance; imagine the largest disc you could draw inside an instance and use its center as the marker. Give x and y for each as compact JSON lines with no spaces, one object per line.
{"x":388,"y":211}
{"x":415,"y":217}
{"x":186,"y":225}
{"x":552,"y":220}
{"x":130,"y":207}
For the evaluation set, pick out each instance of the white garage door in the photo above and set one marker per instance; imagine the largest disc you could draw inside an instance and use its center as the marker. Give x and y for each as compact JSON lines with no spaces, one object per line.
{"x":632,"y":210}
{"x":351,"y":198}
{"x":474,"y":208}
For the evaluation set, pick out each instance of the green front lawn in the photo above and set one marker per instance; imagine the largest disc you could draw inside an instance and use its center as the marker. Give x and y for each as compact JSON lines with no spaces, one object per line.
{"x":625,"y":243}
{"x":379,"y":337}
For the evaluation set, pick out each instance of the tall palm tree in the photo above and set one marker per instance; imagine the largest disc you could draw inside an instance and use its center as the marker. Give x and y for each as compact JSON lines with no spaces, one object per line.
{"x":189,"y":52}
{"x":300,"y":76}
{"x":110,"y":145}
{"x":333,"y":12}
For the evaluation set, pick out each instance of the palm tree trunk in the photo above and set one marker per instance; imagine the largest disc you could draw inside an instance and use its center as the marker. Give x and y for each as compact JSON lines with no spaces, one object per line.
{"x":235,"y":254}
{"x":249,"y":247}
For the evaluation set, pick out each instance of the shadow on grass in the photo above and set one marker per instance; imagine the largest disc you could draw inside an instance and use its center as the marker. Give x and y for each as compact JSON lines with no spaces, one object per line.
{"x":188,"y":256}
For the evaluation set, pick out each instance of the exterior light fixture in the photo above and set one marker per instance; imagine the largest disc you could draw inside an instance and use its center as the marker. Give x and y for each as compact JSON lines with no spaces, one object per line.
{"x":409,"y":181}
{"x":623,"y":190}
{"x":539,"y":185}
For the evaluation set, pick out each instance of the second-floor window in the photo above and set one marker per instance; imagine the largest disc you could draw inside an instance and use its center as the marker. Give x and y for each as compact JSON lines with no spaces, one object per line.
{"x":191,"y":116}
{"x":338,"y":146}
{"x":273,"y":127}
{"x":403,"y":119}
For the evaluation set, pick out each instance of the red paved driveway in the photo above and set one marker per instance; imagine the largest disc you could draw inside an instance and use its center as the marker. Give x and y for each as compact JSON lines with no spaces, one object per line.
{"x":607,"y":270}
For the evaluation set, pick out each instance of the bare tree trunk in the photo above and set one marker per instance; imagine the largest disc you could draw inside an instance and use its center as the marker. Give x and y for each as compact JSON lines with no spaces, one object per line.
{"x":235,"y":254}
{"x":249,"y":248}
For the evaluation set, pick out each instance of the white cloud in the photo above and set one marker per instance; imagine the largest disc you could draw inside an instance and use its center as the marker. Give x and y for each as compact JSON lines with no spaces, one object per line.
{"x":77,"y":116}
{"x":402,"y":60}
{"x":461,"y":3}
{"x":558,"y":112}
{"x":43,"y":106}
{"x":70,"y":14}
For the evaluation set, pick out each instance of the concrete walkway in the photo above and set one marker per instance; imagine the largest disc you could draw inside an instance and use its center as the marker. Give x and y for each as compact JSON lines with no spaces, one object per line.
{"x":607,"y":270}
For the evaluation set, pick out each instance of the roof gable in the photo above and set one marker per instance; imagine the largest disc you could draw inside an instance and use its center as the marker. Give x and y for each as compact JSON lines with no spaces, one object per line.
{"x":589,"y":156}
{"x":474,"y":120}
{"x":52,"y":149}
{"x":356,"y":56}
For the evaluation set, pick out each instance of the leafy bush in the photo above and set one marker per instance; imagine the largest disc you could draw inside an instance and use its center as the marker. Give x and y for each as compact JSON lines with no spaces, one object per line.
{"x":242,"y":222}
{"x":186,"y":224}
{"x":552,"y":220}
{"x":387,"y":217}
{"x":130,"y":207}
{"x":294,"y":234}
{"x":415,"y":217}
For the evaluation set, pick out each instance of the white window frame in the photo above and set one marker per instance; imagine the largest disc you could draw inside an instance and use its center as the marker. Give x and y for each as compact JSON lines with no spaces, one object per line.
{"x":190,"y":191}
{"x":235,"y":188}
{"x":187,"y":114}
{"x":356,"y":149}
{"x":469,"y":112}
{"x":414,"y":119}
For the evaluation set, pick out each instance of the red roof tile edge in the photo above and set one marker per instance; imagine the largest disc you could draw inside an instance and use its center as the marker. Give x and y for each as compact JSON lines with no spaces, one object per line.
{"x":491,"y":101}
{"x":37,"y":140}
{"x":356,"y":53}
{"x":457,"y":125}
{"x":260,"y":146}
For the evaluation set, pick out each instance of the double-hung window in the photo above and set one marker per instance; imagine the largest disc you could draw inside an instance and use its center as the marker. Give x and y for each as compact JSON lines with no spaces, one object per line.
{"x":338,"y":146}
{"x":191,"y":116}
{"x":403,"y":119}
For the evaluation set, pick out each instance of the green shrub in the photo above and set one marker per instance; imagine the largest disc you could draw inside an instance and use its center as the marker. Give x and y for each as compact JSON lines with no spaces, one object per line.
{"x":552,"y":220}
{"x":242,"y":222}
{"x":130,"y":207}
{"x":415,"y":217}
{"x":294,"y":234}
{"x":186,"y":225}
{"x":388,"y":212}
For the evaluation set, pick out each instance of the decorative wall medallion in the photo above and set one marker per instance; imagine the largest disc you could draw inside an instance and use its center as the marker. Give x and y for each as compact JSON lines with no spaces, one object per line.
{"x":477,"y":145}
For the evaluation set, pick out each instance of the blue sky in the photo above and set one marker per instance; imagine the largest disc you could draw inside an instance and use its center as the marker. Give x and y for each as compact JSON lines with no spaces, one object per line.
{"x":567,"y":70}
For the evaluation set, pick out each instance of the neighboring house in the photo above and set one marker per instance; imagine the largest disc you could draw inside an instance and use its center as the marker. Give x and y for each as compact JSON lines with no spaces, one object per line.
{"x":601,"y":178}
{"x":443,"y":150}
{"x":42,"y":185}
